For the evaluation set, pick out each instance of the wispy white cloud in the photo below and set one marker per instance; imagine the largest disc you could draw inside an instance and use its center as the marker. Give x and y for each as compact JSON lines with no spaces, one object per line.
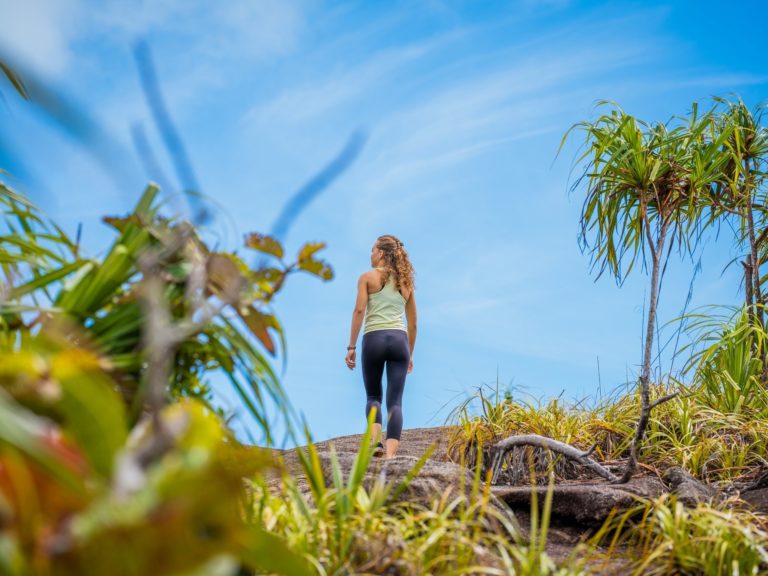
{"x":443,"y":159}
{"x":236,"y":28}
{"x":200,"y":47}
{"x":520,"y":99}
{"x":38,"y":33}
{"x":41,"y":33}
{"x":341,"y":83}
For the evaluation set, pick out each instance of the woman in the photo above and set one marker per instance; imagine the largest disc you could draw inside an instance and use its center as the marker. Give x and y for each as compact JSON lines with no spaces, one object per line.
{"x":383,"y":294}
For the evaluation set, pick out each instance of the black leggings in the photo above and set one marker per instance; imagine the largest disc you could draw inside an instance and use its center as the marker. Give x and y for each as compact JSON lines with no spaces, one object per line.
{"x":390,"y":347}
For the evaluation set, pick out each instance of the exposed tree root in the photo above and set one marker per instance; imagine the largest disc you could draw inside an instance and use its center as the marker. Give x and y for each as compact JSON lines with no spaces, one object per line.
{"x":582,"y":457}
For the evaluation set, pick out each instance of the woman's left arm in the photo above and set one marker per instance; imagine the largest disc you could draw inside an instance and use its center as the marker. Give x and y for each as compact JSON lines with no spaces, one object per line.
{"x":357,"y":317}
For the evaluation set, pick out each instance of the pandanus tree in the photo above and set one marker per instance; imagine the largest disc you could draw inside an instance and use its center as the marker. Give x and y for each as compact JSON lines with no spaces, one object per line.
{"x":646,"y":189}
{"x":741,"y":193}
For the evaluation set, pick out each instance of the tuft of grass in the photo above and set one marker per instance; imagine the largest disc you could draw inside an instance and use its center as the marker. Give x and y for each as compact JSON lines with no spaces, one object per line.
{"x":713,"y":444}
{"x":663,"y":537}
{"x":352,"y":527}
{"x":727,"y":363}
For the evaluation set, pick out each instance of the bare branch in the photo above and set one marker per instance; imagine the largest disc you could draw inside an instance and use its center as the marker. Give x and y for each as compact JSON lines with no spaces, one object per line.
{"x":663,"y":399}
{"x":582,"y":457}
{"x":162,"y":335}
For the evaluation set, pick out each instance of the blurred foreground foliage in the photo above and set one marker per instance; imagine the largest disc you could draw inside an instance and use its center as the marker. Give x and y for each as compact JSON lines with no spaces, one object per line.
{"x":95,"y":303}
{"x":85,"y":488}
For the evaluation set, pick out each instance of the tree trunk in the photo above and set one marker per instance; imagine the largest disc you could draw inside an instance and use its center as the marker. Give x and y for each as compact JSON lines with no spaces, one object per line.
{"x":645,"y":375}
{"x":757,"y":315}
{"x":748,"y":285}
{"x":755,"y":265}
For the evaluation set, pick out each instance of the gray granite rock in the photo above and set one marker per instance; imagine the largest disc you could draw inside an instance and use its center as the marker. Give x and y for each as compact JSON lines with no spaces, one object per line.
{"x":757,"y":499}
{"x":588,"y":503}
{"x":433,"y":479}
{"x":689,"y":490}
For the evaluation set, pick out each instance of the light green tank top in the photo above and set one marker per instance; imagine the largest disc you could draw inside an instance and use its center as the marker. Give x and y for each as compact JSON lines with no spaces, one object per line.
{"x":385,"y":308}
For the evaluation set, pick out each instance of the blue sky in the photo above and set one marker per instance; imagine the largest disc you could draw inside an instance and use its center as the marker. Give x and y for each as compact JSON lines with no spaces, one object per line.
{"x":463,"y":104}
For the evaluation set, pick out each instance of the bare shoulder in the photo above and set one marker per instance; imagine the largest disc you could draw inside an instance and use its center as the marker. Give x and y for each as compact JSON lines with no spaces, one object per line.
{"x":369,"y":279}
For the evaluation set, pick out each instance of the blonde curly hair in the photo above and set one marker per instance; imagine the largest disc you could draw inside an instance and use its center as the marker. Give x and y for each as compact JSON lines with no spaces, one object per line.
{"x":396,"y":260}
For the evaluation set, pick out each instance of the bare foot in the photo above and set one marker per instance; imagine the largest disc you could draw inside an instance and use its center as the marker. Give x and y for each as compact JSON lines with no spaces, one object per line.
{"x":392,"y":446}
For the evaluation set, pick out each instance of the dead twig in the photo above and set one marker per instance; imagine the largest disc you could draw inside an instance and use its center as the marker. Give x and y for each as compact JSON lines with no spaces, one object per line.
{"x":571,"y":452}
{"x":663,"y":399}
